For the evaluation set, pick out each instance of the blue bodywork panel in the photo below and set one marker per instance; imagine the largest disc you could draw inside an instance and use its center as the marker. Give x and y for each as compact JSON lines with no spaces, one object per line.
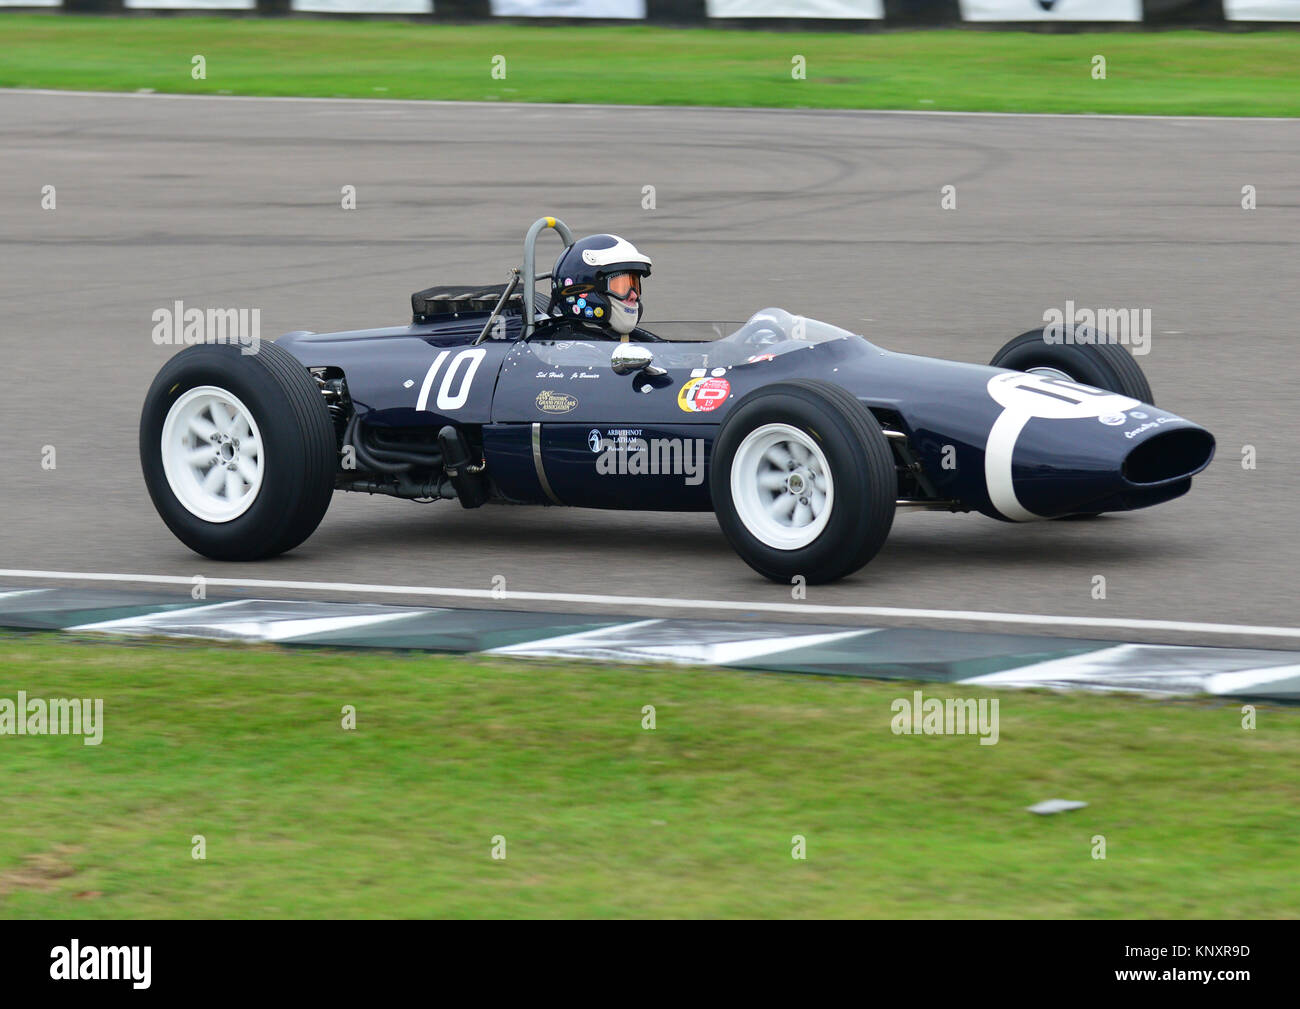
{"x":1008,"y":444}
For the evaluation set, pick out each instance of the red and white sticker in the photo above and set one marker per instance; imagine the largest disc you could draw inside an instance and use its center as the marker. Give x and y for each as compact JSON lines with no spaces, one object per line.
{"x":703,"y":395}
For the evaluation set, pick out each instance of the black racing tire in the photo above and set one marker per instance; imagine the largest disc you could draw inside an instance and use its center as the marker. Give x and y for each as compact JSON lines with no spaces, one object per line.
{"x":1102,"y":365}
{"x":862,"y":492}
{"x":297,"y":458}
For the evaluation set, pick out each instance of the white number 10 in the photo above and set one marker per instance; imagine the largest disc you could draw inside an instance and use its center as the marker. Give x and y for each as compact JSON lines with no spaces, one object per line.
{"x":472,"y":358}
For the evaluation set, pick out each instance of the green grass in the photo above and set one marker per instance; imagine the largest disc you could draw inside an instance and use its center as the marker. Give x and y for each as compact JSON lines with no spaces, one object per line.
{"x":1185,"y":72}
{"x":602,"y":817}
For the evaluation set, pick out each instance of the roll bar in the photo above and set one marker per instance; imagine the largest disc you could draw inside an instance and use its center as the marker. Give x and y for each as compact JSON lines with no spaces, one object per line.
{"x":529,"y":275}
{"x":530,"y":268}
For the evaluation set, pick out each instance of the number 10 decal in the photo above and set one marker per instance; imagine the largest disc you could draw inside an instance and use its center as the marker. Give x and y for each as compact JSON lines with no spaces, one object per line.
{"x":471,"y":358}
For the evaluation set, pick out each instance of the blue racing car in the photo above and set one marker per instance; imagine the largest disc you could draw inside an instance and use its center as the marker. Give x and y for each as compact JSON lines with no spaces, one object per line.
{"x":802,"y":437}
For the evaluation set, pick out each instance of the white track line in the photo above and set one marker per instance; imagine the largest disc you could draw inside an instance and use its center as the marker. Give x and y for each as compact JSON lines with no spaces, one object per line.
{"x":747,"y":109}
{"x":661,"y":602}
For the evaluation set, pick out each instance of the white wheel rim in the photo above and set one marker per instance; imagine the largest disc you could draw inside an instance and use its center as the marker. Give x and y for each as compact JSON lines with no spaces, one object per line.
{"x":781,"y":486}
{"x":212,"y":454}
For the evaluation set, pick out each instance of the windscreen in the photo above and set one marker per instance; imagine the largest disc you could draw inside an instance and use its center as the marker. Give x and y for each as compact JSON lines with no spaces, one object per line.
{"x":769,"y":329}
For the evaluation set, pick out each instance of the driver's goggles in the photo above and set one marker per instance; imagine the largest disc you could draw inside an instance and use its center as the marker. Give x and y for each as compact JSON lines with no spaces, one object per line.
{"x":621,"y":284}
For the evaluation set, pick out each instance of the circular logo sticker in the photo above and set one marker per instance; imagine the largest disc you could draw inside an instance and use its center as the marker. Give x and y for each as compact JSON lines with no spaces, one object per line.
{"x":1113,"y":419}
{"x":703,"y":395}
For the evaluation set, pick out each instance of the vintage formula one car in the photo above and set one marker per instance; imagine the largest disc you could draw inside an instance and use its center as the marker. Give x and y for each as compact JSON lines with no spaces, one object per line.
{"x":803,"y":438}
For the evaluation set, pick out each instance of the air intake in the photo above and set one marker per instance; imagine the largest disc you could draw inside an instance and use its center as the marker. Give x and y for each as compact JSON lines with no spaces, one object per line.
{"x":1169,"y":455}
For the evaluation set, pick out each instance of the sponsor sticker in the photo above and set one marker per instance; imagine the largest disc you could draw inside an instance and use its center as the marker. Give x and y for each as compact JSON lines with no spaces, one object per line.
{"x":555,"y":402}
{"x":703,"y":395}
{"x":620,"y":438}
{"x":1148,"y":426}
{"x":760,"y":357}
{"x":1114,"y":419}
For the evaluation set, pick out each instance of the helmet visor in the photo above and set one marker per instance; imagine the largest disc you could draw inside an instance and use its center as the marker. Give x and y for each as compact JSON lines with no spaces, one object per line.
{"x":621,"y":284}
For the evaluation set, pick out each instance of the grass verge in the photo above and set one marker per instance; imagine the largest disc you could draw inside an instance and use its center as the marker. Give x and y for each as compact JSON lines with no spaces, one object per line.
{"x":602,"y":817}
{"x":1184,"y":72}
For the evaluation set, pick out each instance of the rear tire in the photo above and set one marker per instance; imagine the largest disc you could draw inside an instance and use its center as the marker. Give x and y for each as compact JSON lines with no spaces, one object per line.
{"x":803,"y":481}
{"x":1102,"y":365}
{"x":238,"y":451}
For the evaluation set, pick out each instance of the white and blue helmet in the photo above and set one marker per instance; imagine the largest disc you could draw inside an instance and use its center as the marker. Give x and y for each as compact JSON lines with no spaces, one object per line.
{"x":597,"y":280}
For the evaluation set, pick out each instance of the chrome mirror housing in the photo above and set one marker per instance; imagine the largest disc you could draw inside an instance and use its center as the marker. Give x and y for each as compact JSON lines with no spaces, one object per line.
{"x":629,"y":358}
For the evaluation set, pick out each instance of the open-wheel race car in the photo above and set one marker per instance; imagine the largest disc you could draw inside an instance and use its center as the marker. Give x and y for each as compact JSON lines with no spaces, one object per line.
{"x":802,"y":437}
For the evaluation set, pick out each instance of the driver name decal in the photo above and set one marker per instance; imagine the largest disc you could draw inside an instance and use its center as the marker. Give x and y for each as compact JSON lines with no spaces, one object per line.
{"x":703,"y":395}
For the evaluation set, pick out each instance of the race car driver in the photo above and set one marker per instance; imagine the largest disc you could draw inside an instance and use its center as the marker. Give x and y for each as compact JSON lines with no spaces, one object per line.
{"x":596,"y":289}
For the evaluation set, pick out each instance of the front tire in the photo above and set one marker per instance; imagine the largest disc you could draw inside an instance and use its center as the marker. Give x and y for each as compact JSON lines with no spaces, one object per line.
{"x":1101,"y":365}
{"x":237,"y":450}
{"x":803,"y":481}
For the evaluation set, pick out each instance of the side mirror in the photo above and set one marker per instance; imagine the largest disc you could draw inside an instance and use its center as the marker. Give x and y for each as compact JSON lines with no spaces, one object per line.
{"x":629,"y":358}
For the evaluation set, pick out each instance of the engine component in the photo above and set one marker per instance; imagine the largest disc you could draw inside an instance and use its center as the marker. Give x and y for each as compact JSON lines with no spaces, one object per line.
{"x":466,"y":476}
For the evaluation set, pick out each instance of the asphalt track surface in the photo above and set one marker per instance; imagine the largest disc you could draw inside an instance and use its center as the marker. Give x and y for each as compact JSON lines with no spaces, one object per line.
{"x":833,"y":215}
